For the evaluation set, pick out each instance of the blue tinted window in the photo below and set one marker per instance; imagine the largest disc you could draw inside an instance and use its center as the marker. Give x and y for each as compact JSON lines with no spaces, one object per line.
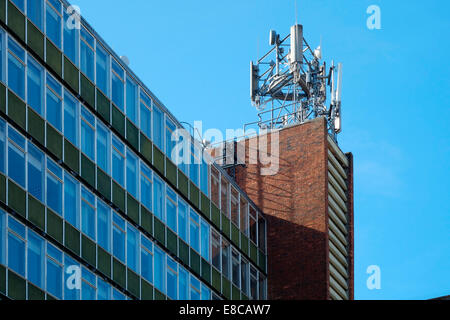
{"x":2,"y":145}
{"x":117,"y":295}
{"x":160,"y":270}
{"x":88,"y":213}
{"x":146,"y":115}
{"x":182,"y":220}
{"x":70,"y":118}
{"x":20,"y":4}
{"x":132,"y":248}
{"x":119,"y":237}
{"x":206,"y":293}
{"x":183,"y":284}
{"x":35,"y":86}
{"x":71,"y":213}
{"x":194,"y":230}
{"x":70,"y":38}
{"x":102,"y":70}
{"x":146,"y":186}
{"x":158,"y":198}
{"x":118,"y":161}
{"x":104,"y":290}
{"x":103,"y":148}
{"x":16,"y":68}
{"x":54,"y":107}
{"x":35,"y":172}
{"x":34,"y":12}
{"x":88,"y":286}
{"x":171,"y":209}
{"x":146,"y":259}
{"x":36,"y":258}
{"x":54,"y":187}
{"x":104,"y":226}
{"x":72,"y":279}
{"x":205,"y":232}
{"x":172,"y":279}
{"x":87,"y":53}
{"x":16,"y":246}
{"x":88,"y":133}
{"x":131,"y":100}
{"x":170,"y":144}
{"x":194,"y":165}
{"x":54,"y":271}
{"x":16,"y":157}
{"x":53,"y":22}
{"x":158,"y":127}
{"x":2,"y":236}
{"x":132,"y":179}
{"x":117,"y":85}
{"x":204,"y":177}
{"x":195,"y":289}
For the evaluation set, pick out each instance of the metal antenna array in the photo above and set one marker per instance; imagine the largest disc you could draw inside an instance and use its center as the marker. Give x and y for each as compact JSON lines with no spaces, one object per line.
{"x":289,"y":84}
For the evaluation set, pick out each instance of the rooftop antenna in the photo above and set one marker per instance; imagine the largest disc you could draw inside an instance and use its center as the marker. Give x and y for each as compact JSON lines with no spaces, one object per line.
{"x":288,"y":85}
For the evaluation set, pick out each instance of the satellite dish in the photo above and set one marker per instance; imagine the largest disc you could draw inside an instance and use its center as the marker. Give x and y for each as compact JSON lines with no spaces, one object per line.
{"x":318,"y":53}
{"x":125,"y":60}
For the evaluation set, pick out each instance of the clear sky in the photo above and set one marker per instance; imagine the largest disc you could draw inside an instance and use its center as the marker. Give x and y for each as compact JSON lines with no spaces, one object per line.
{"x":194,"y":55}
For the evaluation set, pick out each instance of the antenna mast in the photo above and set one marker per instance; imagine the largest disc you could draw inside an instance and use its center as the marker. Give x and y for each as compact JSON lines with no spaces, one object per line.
{"x":289,"y":84}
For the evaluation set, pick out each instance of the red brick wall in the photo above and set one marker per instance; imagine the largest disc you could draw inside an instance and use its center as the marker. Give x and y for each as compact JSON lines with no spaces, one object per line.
{"x":295,"y":203}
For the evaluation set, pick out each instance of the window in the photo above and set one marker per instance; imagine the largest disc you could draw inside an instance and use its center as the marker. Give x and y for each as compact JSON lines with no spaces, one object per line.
{"x":172,"y":279}
{"x":253,"y":226}
{"x":2,"y":236}
{"x":158,"y":118}
{"x":158,"y":198}
{"x":205,"y":240}
{"x":36,"y":172}
{"x":170,"y":144}
{"x":16,"y":68}
{"x":224,"y":198}
{"x":225,"y":258}
{"x":234,"y":206}
{"x":87,"y":45}
{"x":88,"y":213}
{"x":215,"y":180}
{"x":35,"y":259}
{"x":146,"y":186}
{"x":244,"y":276}
{"x":54,"y":108}
{"x":54,"y":187}
{"x":253,"y":283}
{"x":132,"y":172}
{"x":54,"y":271}
{"x":119,"y":237}
{"x":146,"y":114}
{"x":20,"y":4}
{"x":194,"y":230}
{"x":215,"y":249}
{"x":35,"y":86}
{"x":104,"y":225}
{"x":194,"y":166}
{"x":102,"y":70}
{"x":103,"y":148}
{"x":70,"y":118}
{"x":261,"y":232}
{"x":244,"y":216}
{"x":2,"y":145}
{"x":104,"y":290}
{"x":183,"y":293}
{"x":53,"y":21}
{"x":131,"y":100}
{"x":16,"y":157}
{"x":117,"y":295}
{"x":236,"y":273}
{"x":146,"y":259}
{"x":194,"y":289}
{"x":117,"y":85}
{"x":132,"y":249}
{"x":71,"y":268}
{"x":16,"y":246}
{"x":262,"y":287}
{"x":206,"y":293}
{"x":34,"y":12}
{"x":204,"y":178}
{"x":88,"y":285}
{"x":171,"y":209}
{"x":182,"y":220}
{"x":70,"y":38}
{"x":88,"y":133}
{"x":159,"y":270}
{"x":71,"y":196}
{"x":118,"y":161}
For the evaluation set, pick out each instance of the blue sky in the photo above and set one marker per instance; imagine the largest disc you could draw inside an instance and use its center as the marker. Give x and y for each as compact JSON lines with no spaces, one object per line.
{"x":194,"y":55}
